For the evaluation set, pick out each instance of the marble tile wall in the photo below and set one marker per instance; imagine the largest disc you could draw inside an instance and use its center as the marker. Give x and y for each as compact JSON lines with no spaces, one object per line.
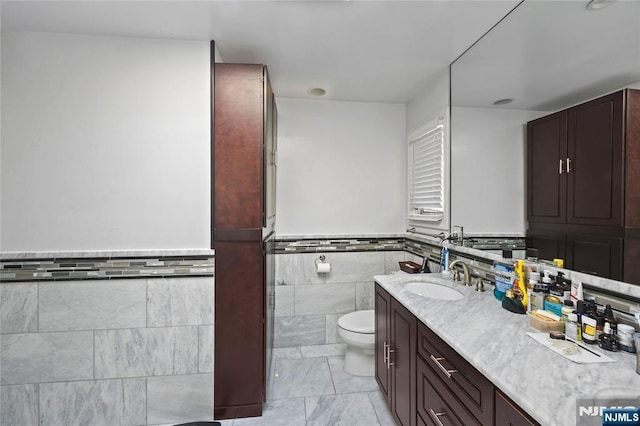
{"x":107,"y":352}
{"x":308,"y":304}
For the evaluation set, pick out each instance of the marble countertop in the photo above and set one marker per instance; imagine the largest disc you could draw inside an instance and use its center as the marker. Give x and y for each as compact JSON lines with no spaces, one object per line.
{"x":545,"y":384}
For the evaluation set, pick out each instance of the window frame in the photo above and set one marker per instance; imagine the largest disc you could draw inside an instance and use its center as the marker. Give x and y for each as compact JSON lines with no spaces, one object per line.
{"x":429,"y":221}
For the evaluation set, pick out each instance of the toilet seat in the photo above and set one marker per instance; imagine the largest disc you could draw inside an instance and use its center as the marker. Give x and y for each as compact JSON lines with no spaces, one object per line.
{"x":363,"y":322}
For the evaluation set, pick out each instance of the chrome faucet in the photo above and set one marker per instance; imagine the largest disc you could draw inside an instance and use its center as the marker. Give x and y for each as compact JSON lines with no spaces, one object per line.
{"x":465,"y":269}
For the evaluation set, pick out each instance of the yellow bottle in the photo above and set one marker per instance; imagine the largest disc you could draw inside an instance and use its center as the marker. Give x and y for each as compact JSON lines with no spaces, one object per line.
{"x":521,"y":282}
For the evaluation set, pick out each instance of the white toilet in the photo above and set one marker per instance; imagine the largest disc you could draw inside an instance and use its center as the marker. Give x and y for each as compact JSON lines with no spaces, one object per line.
{"x":357,"y":330}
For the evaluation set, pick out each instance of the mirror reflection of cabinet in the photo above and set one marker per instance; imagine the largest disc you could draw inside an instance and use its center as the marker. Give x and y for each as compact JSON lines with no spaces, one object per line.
{"x":583,"y":190}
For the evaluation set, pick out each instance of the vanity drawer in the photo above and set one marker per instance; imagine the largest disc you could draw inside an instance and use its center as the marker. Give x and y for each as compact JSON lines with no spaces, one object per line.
{"x":437,"y":406}
{"x":473,"y":390}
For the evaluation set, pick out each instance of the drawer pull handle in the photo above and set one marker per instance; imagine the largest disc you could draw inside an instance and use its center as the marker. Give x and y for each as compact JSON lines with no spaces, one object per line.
{"x":389,"y":363}
{"x":568,"y":165}
{"x":385,"y":357}
{"x":436,"y":416}
{"x":448,"y":373}
{"x":560,"y":167}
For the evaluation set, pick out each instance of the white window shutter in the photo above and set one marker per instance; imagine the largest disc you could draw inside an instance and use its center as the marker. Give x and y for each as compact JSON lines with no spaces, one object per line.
{"x":426,"y":175}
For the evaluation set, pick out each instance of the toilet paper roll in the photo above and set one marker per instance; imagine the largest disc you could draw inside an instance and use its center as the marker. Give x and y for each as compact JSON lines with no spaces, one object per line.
{"x":323,"y":267}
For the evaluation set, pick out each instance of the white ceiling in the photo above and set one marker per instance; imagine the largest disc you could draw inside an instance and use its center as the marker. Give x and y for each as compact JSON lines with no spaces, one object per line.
{"x":376,"y":51}
{"x":548,"y":55}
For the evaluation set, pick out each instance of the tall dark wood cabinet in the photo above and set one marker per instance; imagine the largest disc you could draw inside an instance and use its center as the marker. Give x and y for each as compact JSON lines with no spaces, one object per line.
{"x":243,"y":174}
{"x":583,"y":186}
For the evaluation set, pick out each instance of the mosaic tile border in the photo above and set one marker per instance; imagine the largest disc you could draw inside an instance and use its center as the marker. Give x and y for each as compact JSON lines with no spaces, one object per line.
{"x":338,"y":245}
{"x":104,"y":268}
{"x":415,"y":246}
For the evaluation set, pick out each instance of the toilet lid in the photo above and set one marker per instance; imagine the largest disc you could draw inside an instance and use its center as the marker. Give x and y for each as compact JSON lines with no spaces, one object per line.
{"x":359,"y":322}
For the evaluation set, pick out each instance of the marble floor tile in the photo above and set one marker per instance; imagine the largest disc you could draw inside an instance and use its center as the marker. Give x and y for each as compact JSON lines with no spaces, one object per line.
{"x":282,"y":412}
{"x":353,"y":409}
{"x":19,"y":405}
{"x":381,"y":409}
{"x":18,"y":307}
{"x":295,"y":378}
{"x":180,"y":399}
{"x":94,"y":402}
{"x":333,"y":349}
{"x":345,"y":382}
{"x":286,"y":353}
{"x":299,"y":331}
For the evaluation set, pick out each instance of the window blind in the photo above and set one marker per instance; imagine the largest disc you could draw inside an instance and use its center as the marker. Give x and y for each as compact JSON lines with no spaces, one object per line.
{"x":426,"y":179}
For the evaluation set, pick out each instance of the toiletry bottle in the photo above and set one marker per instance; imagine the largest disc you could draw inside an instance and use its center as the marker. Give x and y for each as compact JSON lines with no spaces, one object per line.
{"x":576,"y":291}
{"x":566,"y":288}
{"x":589,"y":329}
{"x":625,"y":338}
{"x":546,"y":282}
{"x":610,"y":319}
{"x":567,"y":308}
{"x":607,"y":340}
{"x":445,"y":259}
{"x":573,"y":329}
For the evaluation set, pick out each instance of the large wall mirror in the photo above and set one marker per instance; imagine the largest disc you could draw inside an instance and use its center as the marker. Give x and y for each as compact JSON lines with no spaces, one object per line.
{"x":543,"y":57}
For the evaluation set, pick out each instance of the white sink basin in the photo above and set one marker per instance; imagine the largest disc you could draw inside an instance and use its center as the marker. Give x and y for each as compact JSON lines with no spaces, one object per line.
{"x":433,"y":291}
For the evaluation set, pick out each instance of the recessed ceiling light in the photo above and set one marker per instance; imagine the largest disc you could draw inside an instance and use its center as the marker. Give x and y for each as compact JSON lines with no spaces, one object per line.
{"x":503,"y":101}
{"x":599,"y":4}
{"x":316,"y":91}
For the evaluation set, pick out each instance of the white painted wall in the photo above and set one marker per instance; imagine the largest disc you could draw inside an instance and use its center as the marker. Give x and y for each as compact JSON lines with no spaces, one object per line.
{"x":105,"y":143}
{"x":341,"y":168}
{"x":430,"y":102}
{"x":488,"y":175}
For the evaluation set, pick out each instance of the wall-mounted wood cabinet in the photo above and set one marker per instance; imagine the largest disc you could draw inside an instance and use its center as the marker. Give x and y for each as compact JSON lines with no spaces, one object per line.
{"x":425,"y":381}
{"x":243,"y":153}
{"x":583,"y":185}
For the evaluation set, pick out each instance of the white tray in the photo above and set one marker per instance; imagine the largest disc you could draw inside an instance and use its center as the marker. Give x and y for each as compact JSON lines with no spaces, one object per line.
{"x":583,"y":356}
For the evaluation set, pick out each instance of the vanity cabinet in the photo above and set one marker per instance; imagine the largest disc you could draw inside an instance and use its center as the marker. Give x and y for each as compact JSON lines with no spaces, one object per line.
{"x":395,"y":356}
{"x":243,"y":216}
{"x":583,"y":184}
{"x":509,"y":414}
{"x":425,"y":381}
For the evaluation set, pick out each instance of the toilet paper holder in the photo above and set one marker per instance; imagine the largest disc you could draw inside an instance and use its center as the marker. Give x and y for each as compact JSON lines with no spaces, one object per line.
{"x":322,"y":266}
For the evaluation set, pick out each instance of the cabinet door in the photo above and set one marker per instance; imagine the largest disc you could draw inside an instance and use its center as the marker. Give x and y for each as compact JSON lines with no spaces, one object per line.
{"x":595,"y":254}
{"x":383,"y":338}
{"x":546,"y":172}
{"x":437,"y":406}
{"x":238,"y":148}
{"x":596,"y":173}
{"x":402,"y":358}
{"x":508,"y":414}
{"x":550,"y":244}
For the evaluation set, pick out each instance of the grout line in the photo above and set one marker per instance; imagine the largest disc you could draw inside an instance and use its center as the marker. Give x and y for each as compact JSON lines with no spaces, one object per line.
{"x":38,"y":390}
{"x":375,"y":413}
{"x":326,"y":359}
{"x":38,"y":307}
